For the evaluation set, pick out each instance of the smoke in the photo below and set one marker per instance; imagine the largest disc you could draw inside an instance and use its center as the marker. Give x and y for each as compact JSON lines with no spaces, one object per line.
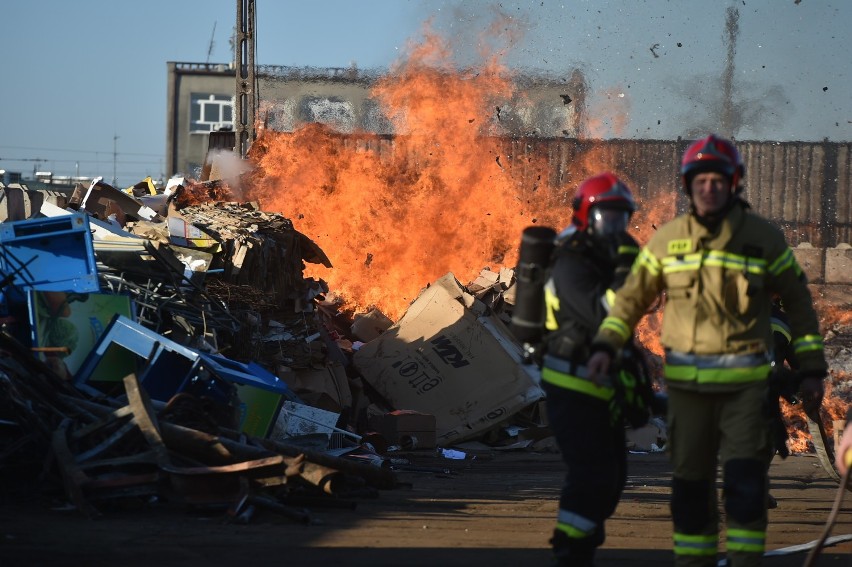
{"x":228,"y":167}
{"x":732,"y":28}
{"x":733,"y":108}
{"x":751,"y":109}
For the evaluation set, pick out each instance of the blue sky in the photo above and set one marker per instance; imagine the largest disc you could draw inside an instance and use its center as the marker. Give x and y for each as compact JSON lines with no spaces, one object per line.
{"x":84,"y":82}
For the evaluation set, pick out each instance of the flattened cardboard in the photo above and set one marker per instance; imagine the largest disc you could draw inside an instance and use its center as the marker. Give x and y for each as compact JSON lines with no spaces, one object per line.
{"x":330,"y":380}
{"x":368,"y":326}
{"x":457,"y":363}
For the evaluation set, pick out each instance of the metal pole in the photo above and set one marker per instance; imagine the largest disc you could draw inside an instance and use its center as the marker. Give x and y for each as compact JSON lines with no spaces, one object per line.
{"x":114,"y":156}
{"x":244,"y":103}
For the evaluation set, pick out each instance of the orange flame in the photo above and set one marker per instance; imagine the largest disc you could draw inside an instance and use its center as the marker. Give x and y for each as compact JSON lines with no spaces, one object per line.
{"x":610,"y":116}
{"x":197,"y":192}
{"x":833,"y":408}
{"x":441,"y":197}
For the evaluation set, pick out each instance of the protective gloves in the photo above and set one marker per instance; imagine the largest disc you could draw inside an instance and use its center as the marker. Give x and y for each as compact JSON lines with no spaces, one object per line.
{"x":811,"y":391}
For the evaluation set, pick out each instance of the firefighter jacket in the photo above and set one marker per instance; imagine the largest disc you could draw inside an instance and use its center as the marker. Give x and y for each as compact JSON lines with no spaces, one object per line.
{"x":718,"y":284}
{"x":576,"y":296}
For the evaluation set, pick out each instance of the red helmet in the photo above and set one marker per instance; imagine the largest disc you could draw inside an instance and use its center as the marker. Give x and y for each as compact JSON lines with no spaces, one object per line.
{"x":603,"y":192}
{"x":712,"y":154}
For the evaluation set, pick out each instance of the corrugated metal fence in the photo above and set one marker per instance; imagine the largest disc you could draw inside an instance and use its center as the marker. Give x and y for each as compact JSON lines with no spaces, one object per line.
{"x":805,"y":188}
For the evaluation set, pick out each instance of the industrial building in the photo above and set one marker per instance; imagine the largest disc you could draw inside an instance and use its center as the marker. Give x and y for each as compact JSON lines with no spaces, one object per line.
{"x":201,"y":100}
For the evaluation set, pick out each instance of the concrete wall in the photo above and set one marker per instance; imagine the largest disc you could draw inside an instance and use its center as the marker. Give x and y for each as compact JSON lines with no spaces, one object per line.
{"x":826,"y":265}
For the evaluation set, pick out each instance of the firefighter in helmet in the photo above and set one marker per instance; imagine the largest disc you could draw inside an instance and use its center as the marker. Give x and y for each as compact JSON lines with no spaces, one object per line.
{"x":719,"y":265}
{"x":591,"y":259}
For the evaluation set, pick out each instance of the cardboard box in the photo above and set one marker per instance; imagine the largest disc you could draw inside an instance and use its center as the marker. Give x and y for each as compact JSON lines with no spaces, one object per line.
{"x":448,"y":357}
{"x":411,"y":429}
{"x":326,"y":387}
{"x":368,"y":326}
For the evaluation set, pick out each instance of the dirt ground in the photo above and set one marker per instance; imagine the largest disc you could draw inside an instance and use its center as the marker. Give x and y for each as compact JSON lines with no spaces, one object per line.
{"x":496,"y":510}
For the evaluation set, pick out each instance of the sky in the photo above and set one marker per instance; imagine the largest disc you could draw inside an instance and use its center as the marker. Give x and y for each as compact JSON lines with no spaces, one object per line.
{"x":84,"y":82}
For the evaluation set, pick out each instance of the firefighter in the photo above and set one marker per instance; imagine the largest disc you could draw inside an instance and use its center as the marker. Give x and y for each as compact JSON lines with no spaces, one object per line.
{"x":591,"y":259}
{"x":719,"y":265}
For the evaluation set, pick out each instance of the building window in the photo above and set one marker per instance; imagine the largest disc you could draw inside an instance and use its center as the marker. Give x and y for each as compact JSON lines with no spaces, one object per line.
{"x":210,"y":112}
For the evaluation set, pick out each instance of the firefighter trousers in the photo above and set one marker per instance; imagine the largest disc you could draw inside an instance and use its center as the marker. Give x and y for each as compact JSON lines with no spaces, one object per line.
{"x":593,"y":450}
{"x":706,"y":429}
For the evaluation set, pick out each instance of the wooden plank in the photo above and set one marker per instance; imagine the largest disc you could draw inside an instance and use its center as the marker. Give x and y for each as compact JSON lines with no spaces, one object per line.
{"x":73,"y":478}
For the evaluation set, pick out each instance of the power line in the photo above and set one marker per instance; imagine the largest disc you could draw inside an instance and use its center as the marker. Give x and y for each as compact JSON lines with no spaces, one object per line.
{"x":77,"y":151}
{"x":120,"y":161}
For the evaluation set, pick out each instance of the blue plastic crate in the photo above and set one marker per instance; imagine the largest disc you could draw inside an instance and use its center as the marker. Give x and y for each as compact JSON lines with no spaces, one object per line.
{"x":49,"y":254}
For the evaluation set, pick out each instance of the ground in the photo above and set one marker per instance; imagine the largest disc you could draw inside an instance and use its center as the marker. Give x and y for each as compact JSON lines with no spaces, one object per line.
{"x":497,"y":510}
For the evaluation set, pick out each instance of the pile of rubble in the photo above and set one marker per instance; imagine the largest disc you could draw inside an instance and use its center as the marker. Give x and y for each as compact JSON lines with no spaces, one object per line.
{"x":168,"y":344}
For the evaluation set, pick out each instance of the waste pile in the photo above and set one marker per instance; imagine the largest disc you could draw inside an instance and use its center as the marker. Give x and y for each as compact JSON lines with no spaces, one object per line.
{"x":166,"y":344}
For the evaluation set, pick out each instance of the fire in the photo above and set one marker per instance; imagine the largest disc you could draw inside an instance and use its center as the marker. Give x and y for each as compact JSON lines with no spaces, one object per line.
{"x":442,"y":196}
{"x":197,"y":192}
{"x":833,"y":316}
{"x":833,"y":408}
{"x":613,"y":105}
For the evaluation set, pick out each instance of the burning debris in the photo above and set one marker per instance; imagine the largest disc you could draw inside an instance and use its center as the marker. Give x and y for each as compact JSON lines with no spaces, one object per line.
{"x":217,"y":366}
{"x":157,"y":330}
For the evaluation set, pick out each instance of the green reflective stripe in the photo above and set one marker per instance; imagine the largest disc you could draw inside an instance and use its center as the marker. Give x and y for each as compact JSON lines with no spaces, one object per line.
{"x":784,"y":262}
{"x":713,"y":258}
{"x":551,"y":302}
{"x":719,"y":258}
{"x":647,"y":260}
{"x":609,"y":299}
{"x":571,"y":531}
{"x":746,"y":540}
{"x":686,"y":544}
{"x":617,"y":326}
{"x":624,"y":249}
{"x":685,"y":263}
{"x":778,"y":326}
{"x":628,"y":380}
{"x":807,"y":343}
{"x":575,"y":525}
{"x":716,"y":375}
{"x":581,"y":385}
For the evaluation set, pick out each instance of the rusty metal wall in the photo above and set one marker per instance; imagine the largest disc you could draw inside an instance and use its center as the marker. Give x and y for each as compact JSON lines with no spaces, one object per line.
{"x":805,"y":188}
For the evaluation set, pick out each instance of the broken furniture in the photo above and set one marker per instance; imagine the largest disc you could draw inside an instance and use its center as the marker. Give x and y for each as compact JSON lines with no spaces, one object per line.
{"x":168,"y":368}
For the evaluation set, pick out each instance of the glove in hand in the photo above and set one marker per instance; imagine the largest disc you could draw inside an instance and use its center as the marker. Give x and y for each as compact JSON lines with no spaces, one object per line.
{"x":811,"y":392}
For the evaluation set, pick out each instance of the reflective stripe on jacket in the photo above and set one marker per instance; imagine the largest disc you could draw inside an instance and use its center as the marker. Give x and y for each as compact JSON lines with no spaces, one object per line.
{"x":716,"y":369}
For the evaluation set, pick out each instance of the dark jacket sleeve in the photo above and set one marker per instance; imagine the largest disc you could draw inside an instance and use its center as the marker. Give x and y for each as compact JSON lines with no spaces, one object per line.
{"x":580,"y":287}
